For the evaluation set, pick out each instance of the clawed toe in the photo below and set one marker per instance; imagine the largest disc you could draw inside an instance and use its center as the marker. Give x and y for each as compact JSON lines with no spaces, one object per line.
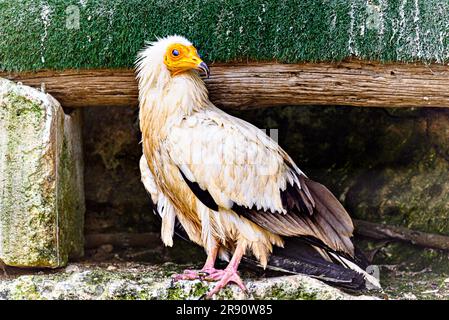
{"x":194,"y":274}
{"x":186,"y":275}
{"x":224,"y":277}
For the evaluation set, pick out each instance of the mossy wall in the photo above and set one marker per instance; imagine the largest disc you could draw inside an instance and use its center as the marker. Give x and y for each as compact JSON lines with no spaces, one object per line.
{"x":71,"y":201}
{"x":41,"y":194}
{"x":385,"y":165}
{"x":60,"y":34}
{"x":115,"y":197}
{"x":27,"y":203}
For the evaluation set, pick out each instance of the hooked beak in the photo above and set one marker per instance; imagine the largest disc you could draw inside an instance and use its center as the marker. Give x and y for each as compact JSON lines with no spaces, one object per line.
{"x":203,"y":67}
{"x":187,"y":61}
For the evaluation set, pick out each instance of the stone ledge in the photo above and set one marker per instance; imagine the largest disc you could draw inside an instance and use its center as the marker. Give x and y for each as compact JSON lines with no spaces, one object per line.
{"x":138,"y":281}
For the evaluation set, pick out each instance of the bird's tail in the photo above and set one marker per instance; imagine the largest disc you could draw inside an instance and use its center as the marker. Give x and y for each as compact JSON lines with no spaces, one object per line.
{"x":303,"y":256}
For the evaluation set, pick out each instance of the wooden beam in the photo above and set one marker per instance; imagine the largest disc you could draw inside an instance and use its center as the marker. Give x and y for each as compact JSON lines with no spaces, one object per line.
{"x":350,"y":83}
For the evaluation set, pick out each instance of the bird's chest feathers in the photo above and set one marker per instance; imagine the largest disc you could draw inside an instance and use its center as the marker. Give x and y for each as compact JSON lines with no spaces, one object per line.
{"x":165,"y":107}
{"x":160,"y":112}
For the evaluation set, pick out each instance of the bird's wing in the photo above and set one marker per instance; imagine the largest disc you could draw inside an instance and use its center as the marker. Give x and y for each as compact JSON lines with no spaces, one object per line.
{"x":161,"y":205}
{"x":231,"y":164}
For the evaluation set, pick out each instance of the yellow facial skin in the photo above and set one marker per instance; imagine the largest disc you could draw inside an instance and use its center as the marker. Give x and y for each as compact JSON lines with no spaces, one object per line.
{"x":180,"y":58}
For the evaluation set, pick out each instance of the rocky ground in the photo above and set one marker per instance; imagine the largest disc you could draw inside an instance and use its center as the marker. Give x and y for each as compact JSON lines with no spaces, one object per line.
{"x":133,"y":281}
{"x":406,"y":273}
{"x":146,"y":281}
{"x":415,"y":285}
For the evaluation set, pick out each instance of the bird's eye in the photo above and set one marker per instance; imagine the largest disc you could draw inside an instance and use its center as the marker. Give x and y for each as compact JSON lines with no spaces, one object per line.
{"x":175,"y":53}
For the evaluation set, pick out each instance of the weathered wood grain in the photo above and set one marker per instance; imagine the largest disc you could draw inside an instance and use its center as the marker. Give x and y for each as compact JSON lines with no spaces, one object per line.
{"x":350,"y":83}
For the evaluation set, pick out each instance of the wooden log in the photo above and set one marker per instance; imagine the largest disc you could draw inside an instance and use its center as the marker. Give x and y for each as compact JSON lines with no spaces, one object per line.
{"x":349,"y":83}
{"x":387,"y":232}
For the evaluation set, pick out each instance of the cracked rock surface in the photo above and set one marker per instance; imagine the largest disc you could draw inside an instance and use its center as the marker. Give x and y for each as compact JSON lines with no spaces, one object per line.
{"x":133,"y":281}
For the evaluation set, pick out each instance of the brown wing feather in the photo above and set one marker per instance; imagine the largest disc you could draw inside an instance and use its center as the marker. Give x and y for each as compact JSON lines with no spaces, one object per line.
{"x":312,"y":210}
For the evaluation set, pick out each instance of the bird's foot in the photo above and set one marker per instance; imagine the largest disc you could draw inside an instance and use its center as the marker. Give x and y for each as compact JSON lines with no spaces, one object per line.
{"x":195,"y":274}
{"x":224,"y":277}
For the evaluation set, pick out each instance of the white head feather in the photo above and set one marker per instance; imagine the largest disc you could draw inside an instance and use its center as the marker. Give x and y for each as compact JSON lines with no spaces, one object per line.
{"x":150,"y":67}
{"x":186,"y":91}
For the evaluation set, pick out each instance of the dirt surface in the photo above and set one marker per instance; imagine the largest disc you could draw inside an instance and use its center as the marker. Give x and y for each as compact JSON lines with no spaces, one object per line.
{"x":414,"y":285}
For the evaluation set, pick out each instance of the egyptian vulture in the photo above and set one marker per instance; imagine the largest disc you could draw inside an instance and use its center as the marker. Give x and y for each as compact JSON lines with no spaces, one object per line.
{"x":231,"y":188}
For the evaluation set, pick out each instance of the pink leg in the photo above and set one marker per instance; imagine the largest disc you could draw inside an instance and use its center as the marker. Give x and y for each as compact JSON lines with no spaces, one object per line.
{"x":207,"y":269}
{"x":228,"y":275}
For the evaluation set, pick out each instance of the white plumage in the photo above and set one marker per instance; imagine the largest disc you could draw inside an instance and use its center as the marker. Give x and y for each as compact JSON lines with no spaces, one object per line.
{"x":201,"y":164}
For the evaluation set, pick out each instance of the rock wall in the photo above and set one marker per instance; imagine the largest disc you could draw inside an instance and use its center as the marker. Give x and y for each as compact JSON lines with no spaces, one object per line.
{"x":385,"y":165}
{"x":116,"y":199}
{"x":41,"y":183}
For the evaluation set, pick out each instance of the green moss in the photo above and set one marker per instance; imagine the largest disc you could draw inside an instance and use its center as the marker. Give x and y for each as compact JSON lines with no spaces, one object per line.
{"x":176,"y":292}
{"x":281,"y":293}
{"x":199,"y":289}
{"x":226,"y":294}
{"x":423,"y":285}
{"x":24,"y":106}
{"x":20,"y":111}
{"x":179,"y":292}
{"x":22,"y":119}
{"x":71,"y":193}
{"x":38,"y":204}
{"x":110,"y":33}
{"x":26,"y":289}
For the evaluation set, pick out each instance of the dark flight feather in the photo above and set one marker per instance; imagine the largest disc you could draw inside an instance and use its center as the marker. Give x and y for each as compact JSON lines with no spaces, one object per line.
{"x":312,"y":210}
{"x":203,"y":195}
{"x":299,"y":257}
